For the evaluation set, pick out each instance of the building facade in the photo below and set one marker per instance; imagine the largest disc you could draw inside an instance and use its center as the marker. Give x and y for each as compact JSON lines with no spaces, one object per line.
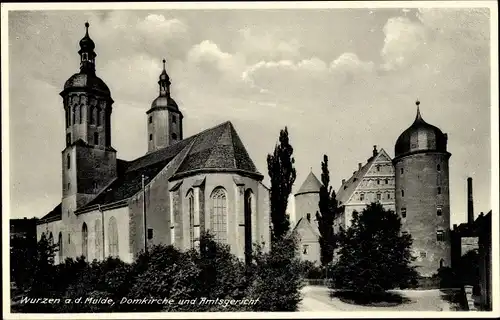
{"x":372,"y":182}
{"x":422,"y":193}
{"x":177,"y":190}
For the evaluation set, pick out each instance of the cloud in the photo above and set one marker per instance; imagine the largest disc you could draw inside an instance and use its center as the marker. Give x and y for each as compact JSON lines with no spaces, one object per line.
{"x":266,"y":45}
{"x":403,"y":39}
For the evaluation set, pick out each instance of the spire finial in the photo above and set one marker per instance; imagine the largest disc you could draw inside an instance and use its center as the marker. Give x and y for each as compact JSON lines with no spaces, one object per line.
{"x":311,"y":168}
{"x":87,"y":25}
{"x":419,"y":116}
{"x":164,"y":63}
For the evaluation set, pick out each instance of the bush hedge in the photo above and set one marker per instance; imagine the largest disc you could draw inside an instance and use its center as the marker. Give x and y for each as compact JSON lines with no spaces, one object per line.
{"x":210,"y":272}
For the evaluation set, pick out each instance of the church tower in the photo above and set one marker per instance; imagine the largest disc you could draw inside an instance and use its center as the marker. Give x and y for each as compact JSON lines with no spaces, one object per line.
{"x":422,"y":193}
{"x":164,"y":117}
{"x":89,"y":161}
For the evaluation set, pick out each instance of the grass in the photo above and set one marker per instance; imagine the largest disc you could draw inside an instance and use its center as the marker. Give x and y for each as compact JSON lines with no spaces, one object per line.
{"x":382,"y":299}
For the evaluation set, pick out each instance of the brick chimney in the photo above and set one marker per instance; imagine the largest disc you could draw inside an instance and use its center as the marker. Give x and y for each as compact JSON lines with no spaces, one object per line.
{"x":343,"y":181}
{"x":470,"y":202}
{"x":375,"y":152}
{"x":359,"y":166}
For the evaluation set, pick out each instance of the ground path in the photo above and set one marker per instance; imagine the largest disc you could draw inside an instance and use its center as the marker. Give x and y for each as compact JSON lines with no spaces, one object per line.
{"x":317,"y":298}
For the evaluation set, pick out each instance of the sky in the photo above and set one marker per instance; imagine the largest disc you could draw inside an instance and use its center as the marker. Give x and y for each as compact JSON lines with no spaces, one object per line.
{"x":341,"y":80}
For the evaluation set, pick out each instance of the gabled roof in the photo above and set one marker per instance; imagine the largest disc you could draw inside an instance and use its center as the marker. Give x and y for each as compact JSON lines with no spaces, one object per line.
{"x":54,"y":215}
{"x":303,"y":222}
{"x":344,"y":194}
{"x":215,"y":149}
{"x":311,"y":184}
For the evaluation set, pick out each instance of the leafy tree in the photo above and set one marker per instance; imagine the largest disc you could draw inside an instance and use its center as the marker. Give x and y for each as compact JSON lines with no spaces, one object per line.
{"x":374,"y":255}
{"x":281,"y":170}
{"x":277,"y":277}
{"x":328,"y":209}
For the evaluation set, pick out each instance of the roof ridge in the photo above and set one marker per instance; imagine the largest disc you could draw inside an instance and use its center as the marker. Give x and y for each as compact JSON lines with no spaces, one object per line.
{"x":232,"y":143}
{"x":180,"y":141}
{"x":188,"y":147}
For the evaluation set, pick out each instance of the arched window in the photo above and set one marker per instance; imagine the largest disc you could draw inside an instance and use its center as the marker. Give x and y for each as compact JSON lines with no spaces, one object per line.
{"x":67,"y":118}
{"x":60,"y":247}
{"x":218,"y":216}
{"x":362,"y":197}
{"x":190,"y":198}
{"x":441,"y":263}
{"x":248,"y":224}
{"x":80,"y":114}
{"x":98,"y":239}
{"x":96,"y":138}
{"x":74,"y":114}
{"x":438,"y":167}
{"x":92,"y":114}
{"x":113,"y":237}
{"x":68,"y":161}
{"x":98,"y":116}
{"x":85,"y":239}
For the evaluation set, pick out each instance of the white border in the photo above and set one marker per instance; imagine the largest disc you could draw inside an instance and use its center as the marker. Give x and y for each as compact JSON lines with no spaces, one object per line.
{"x":6,"y":7}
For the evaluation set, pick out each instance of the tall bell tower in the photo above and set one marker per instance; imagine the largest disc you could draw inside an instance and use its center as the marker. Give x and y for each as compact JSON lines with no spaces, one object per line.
{"x":88,"y":160}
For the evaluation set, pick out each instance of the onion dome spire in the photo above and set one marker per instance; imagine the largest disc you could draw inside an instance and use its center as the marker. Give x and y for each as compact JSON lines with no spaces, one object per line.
{"x":86,"y":52}
{"x":164,"y":81}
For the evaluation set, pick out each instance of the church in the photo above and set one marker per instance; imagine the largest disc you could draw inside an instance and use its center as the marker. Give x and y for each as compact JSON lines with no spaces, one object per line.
{"x":180,"y":188}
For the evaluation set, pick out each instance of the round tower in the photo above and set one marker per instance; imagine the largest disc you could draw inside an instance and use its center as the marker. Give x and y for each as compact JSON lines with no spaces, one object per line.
{"x":307,"y":198}
{"x":422,"y":193}
{"x":164,"y":117}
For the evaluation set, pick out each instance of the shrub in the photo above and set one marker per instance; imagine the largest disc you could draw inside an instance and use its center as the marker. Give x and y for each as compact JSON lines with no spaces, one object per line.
{"x":276,"y":278}
{"x":374,"y":256}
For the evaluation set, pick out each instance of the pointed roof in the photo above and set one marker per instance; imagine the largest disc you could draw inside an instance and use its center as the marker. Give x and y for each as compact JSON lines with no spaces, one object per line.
{"x":344,"y":194}
{"x":310,"y":185}
{"x":303,"y":222}
{"x":218,"y":149}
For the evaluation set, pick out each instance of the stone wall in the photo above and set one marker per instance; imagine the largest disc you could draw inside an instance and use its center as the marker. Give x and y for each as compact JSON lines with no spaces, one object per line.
{"x":417,"y":190}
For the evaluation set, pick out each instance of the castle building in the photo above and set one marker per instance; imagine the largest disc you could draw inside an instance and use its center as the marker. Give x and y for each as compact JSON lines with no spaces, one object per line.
{"x":177,"y":190}
{"x":306,"y":206}
{"x":372,"y":182}
{"x":422,"y":193}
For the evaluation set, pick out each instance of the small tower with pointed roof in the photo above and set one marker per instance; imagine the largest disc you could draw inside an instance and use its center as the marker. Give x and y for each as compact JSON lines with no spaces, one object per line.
{"x":164,"y":119}
{"x":422,"y":193}
{"x":307,"y":198}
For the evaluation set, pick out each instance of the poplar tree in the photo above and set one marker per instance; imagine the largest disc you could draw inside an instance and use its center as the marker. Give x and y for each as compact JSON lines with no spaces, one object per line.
{"x":328,"y":210}
{"x":281,"y":170}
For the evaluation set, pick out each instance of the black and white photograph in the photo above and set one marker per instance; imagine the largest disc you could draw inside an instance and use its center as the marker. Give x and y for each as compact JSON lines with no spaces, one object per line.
{"x":309,"y":159}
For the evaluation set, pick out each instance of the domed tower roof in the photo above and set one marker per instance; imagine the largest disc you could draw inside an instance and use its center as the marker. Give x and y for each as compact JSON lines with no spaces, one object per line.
{"x":86,"y":78}
{"x":420,"y":136}
{"x":164,"y":100}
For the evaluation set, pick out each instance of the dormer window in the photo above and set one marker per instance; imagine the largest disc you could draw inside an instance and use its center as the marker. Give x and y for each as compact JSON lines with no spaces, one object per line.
{"x":362,"y":197}
{"x":174,"y":119}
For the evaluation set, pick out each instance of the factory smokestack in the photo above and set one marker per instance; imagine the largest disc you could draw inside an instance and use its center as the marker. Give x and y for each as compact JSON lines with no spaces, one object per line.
{"x":470,"y":202}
